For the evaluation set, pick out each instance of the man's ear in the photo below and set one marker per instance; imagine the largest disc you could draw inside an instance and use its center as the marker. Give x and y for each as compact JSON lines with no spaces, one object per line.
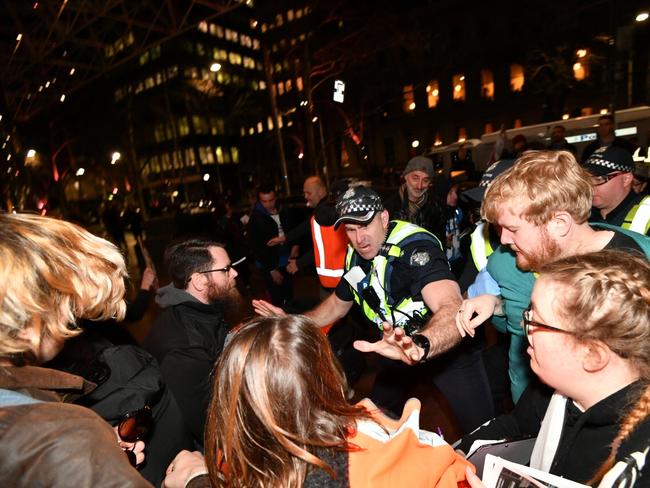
{"x":197,"y":282}
{"x":596,"y":357}
{"x":385,"y":218}
{"x":628,"y":178}
{"x":560,"y":224}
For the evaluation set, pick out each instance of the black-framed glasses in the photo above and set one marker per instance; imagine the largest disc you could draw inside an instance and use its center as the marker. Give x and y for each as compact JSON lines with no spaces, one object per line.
{"x":601,"y":180}
{"x":133,"y":427}
{"x":527,"y":322}
{"x":225,"y":269}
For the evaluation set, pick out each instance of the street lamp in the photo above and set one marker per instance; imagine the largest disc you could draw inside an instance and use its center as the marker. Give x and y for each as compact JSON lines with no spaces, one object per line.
{"x":115,"y":157}
{"x":80,"y":172}
{"x":214,"y":67}
{"x":642,"y":16}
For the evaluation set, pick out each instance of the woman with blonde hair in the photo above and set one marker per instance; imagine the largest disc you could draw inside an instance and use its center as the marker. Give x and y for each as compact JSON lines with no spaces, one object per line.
{"x":51,"y":274}
{"x":588,"y":330}
{"x":279,"y":418}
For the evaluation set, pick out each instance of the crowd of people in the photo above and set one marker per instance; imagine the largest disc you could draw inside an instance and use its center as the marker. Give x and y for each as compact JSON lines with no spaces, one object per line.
{"x":550,"y":253}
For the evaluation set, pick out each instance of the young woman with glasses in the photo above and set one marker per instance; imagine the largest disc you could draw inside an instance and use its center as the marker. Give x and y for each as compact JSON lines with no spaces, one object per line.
{"x":588,"y":330}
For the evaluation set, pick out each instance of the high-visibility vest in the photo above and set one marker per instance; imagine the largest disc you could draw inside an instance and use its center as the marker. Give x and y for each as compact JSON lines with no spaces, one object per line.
{"x":481,"y":247}
{"x":402,"y":234}
{"x":330,"y":247}
{"x":638,"y":218}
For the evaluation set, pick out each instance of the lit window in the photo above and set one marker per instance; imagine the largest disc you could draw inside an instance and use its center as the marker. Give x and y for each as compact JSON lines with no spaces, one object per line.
{"x":219,"y":153}
{"x":487,"y":84}
{"x":260,"y":127}
{"x":235,"y":154}
{"x":278,"y":20}
{"x":256,"y":44}
{"x":433,"y":94}
{"x":298,"y":13}
{"x":262,"y":85}
{"x":409,"y":98}
{"x":264,"y":27}
{"x":183,"y":126}
{"x":289,"y":15}
{"x":459,"y":87}
{"x":516,"y":77}
{"x":462,"y":134}
{"x":517,"y":123}
{"x":580,"y":70}
{"x":280,"y":88}
{"x":299,"y":83}
{"x":488,"y":128}
{"x":203,"y":26}
{"x":287,"y":85}
{"x":269,"y":122}
{"x":587,"y":111}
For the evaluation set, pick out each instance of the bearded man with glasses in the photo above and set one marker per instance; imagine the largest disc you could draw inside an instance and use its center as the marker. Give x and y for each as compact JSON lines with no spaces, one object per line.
{"x":188,"y":335}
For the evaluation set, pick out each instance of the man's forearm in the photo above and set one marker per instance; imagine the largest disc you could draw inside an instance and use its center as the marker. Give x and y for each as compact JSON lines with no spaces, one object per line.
{"x":441,"y":329}
{"x":329,"y":310}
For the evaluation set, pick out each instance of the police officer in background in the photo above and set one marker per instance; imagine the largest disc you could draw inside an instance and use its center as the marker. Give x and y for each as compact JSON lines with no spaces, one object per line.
{"x":399,"y":276}
{"x":614,"y":202}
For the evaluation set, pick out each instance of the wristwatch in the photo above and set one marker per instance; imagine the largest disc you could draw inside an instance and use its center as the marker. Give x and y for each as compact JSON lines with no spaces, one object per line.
{"x":421,"y":341}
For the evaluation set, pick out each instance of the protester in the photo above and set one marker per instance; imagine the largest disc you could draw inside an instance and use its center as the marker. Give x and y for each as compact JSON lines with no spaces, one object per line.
{"x":279,"y":418}
{"x":588,"y":333}
{"x":189,"y":334}
{"x":541,"y":205}
{"x":53,"y":273}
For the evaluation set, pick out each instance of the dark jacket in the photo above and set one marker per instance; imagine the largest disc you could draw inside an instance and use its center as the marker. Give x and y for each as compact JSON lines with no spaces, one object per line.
{"x":261,"y":228}
{"x":432,"y":215}
{"x":186,"y":338}
{"x":54,"y":444}
{"x":617,"y":215}
{"x":586,"y":436}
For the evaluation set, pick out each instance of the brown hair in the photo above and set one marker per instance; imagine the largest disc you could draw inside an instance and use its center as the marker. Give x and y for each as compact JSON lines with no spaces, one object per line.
{"x":548,"y":182}
{"x":606,"y":297}
{"x":55,"y":271}
{"x":278,"y":396}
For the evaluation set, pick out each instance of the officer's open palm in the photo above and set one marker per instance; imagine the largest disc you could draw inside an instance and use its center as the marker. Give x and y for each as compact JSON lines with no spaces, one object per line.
{"x":266,"y":309}
{"x":394,"y":344}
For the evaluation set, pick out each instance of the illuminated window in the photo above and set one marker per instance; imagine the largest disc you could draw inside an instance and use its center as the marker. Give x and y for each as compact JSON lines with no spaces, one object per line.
{"x":203,"y":26}
{"x":462,"y":134}
{"x":234,"y":58}
{"x":516,"y":77}
{"x":459,"y":87}
{"x":200,"y":124}
{"x":280,"y":88}
{"x":587,"y":111}
{"x":299,"y":83}
{"x":219,"y":153}
{"x":433,"y":94}
{"x":144,"y":58}
{"x":260,"y":127}
{"x":235,"y":154}
{"x":264,"y":27}
{"x":487,"y":84}
{"x":206,"y":155}
{"x":580,"y":70}
{"x":517,"y":123}
{"x":488,"y":128}
{"x":289,"y":15}
{"x":409,"y":98}
{"x":287,"y":86}
{"x":256,"y":44}
{"x":262,"y":85}
{"x":278,"y":20}
{"x":190,"y":157}
{"x":183,"y":126}
{"x":269,"y":122}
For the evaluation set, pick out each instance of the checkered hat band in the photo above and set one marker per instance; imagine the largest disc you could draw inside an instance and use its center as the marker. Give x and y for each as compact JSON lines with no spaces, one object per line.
{"x":608,"y":164}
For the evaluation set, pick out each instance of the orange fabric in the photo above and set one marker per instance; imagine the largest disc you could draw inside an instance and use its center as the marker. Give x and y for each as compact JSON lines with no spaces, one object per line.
{"x":333,"y":245}
{"x":410,"y":458}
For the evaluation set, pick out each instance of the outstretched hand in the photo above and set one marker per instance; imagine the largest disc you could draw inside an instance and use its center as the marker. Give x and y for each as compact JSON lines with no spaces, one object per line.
{"x":266,"y":309}
{"x":394,"y":344}
{"x":483,"y":306}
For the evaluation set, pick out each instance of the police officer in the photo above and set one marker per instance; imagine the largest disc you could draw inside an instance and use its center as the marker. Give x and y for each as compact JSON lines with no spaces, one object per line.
{"x":398,"y":274}
{"x":612,"y":174}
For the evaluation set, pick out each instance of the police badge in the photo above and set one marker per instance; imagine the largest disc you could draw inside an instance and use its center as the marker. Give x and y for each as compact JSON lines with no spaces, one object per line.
{"x":420,"y":258}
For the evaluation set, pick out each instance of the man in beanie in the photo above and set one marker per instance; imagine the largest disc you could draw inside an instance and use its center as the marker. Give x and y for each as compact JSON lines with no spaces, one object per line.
{"x":398,"y":274}
{"x":416,"y":201}
{"x":612,"y":174}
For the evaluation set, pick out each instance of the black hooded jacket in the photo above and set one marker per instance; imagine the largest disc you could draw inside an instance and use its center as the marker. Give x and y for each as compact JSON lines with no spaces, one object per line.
{"x":186,"y":338}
